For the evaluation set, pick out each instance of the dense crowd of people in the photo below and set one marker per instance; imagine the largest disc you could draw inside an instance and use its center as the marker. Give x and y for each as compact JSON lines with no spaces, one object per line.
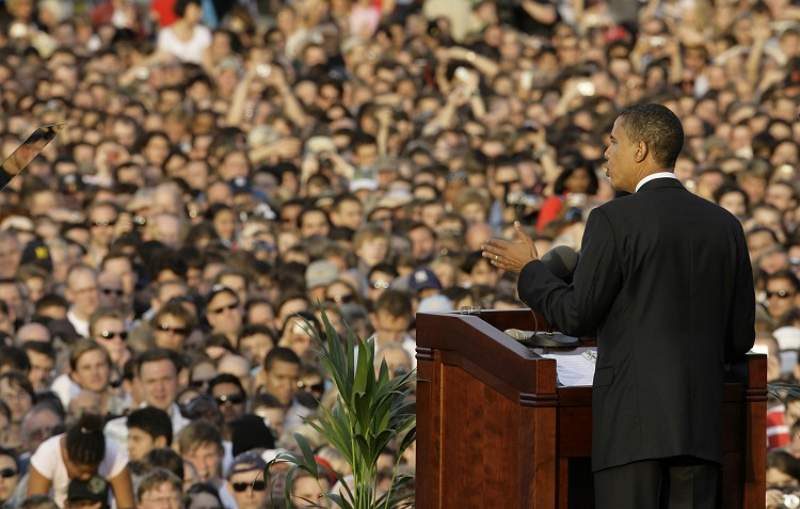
{"x":230,"y":170}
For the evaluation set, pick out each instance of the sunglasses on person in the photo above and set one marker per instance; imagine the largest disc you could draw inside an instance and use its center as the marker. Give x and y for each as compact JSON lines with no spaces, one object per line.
{"x":8,"y":472}
{"x":341,"y":299}
{"x":317,"y":387}
{"x":199,"y":384}
{"x":174,"y":330}
{"x":112,"y":291}
{"x":220,"y":310}
{"x":233,"y":399}
{"x":781,"y":294}
{"x":104,"y":223}
{"x":242,"y":486}
{"x":107,"y":334}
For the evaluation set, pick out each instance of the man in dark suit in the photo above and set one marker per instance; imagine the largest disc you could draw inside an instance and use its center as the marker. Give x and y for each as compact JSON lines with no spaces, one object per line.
{"x":664,"y":282}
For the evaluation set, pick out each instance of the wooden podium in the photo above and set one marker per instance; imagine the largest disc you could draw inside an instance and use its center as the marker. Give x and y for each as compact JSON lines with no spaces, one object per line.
{"x":495,"y":431}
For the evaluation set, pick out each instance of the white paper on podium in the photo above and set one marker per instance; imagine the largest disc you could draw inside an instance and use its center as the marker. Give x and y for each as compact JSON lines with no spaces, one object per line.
{"x":574,"y":367}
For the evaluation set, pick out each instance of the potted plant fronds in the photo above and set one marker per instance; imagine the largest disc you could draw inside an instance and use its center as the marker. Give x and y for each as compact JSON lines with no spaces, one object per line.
{"x":371,"y":411}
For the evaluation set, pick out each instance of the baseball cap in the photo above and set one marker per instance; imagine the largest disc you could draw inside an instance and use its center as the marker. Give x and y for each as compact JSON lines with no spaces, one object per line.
{"x":94,"y":489}
{"x":240,"y":185}
{"x":37,"y":252}
{"x":248,"y":461}
{"x":423,"y":279}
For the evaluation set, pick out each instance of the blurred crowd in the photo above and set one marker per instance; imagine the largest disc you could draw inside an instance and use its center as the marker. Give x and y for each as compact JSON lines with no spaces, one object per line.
{"x":230,"y":170}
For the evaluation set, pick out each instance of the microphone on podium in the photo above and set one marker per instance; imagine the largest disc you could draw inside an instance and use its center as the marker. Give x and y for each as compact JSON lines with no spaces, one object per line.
{"x":561,"y":262}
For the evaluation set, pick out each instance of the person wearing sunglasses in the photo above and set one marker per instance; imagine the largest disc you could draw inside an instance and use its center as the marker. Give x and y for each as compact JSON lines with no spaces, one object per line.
{"x":228,"y":392}
{"x":224,"y":312}
{"x":246,"y":480}
{"x":102,"y":224}
{"x":107,"y":327}
{"x":380,"y":277}
{"x":782,"y":291}
{"x":112,"y":294}
{"x":311,"y":381}
{"x":171,"y":325}
{"x":9,"y":475}
{"x":201,"y":372}
{"x":341,"y":292}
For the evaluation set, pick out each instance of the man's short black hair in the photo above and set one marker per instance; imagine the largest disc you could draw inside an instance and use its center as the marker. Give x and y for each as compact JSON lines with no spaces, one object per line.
{"x":385,"y":267}
{"x":253,"y":329}
{"x":787,"y":275}
{"x":157,"y":354}
{"x":51,"y":300}
{"x":762,"y":229}
{"x":282,"y":354}
{"x":153,"y":421}
{"x":395,"y":302}
{"x":226,"y":378}
{"x":41,"y":348}
{"x":14,"y":358}
{"x":658,"y":127}
{"x":165,"y":458}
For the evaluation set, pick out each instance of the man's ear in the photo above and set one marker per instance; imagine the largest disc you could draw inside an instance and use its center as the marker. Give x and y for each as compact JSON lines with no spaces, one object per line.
{"x":641,"y":151}
{"x":160,"y":442}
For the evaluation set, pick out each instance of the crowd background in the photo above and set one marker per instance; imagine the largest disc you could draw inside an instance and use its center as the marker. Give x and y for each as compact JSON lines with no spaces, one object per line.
{"x":231,"y":168}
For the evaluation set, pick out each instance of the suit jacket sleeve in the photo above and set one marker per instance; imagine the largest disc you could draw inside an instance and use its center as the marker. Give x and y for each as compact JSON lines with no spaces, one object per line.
{"x":741,"y":322}
{"x":577,"y":309}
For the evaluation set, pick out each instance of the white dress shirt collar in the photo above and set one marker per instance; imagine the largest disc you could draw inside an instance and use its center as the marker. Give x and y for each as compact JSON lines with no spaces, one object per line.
{"x":653,"y":176}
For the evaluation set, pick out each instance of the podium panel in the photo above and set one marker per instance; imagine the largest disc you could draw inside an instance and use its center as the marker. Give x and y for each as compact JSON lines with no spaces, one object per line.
{"x":494,"y":429}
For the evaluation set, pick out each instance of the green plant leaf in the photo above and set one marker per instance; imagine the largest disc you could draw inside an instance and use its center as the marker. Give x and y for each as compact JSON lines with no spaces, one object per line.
{"x":340,"y":501}
{"x":370,"y":411}
{"x":362,"y":412}
{"x":408,"y":439}
{"x":308,"y":455}
{"x":401,"y":494}
{"x":366,"y":352}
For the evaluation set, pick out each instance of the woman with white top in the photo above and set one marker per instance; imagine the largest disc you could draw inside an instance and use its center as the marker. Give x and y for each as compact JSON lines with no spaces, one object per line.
{"x":186,"y":39}
{"x":80,"y":453}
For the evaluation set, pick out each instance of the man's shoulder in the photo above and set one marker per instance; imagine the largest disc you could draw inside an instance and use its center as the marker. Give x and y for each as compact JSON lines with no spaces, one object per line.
{"x":640,"y":203}
{"x":621,"y":205}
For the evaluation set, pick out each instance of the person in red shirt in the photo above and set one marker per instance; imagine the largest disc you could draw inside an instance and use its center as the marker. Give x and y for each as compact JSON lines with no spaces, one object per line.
{"x":576,"y":181}
{"x":163,"y":12}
